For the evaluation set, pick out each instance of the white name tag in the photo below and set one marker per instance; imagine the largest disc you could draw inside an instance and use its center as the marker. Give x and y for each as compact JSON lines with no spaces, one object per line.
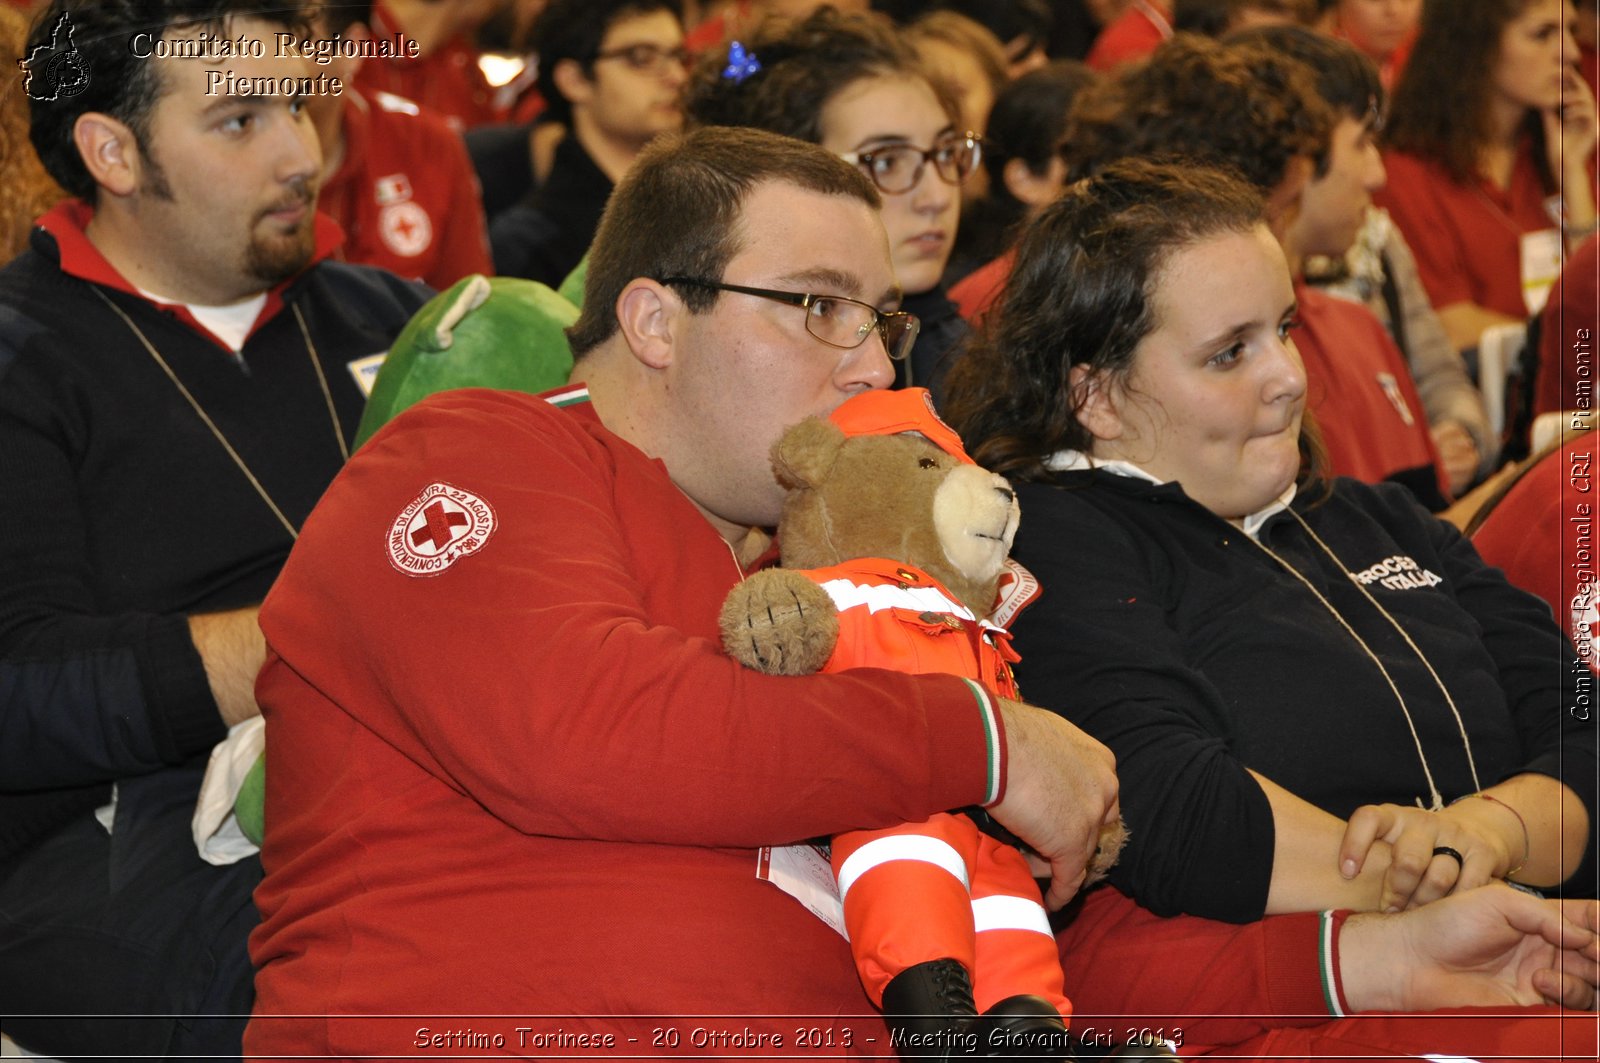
{"x":365,"y":371}
{"x":1541,"y":265}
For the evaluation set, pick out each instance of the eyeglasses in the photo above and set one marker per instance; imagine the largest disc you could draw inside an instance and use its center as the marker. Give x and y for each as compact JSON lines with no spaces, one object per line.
{"x":650,"y":58}
{"x":898,"y":167}
{"x":833,"y":319}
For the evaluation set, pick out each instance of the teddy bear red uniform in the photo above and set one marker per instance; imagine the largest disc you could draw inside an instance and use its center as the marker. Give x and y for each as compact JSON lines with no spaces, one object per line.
{"x":938,"y":889}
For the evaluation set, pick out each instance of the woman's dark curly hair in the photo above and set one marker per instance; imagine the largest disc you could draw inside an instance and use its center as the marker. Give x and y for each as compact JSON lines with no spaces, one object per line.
{"x":1440,"y":107}
{"x":1081,"y":294}
{"x":803,"y":65}
{"x":1245,"y":107}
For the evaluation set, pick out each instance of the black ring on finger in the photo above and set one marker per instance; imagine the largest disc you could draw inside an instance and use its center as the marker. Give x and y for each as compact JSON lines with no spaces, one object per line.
{"x":1445,"y":850}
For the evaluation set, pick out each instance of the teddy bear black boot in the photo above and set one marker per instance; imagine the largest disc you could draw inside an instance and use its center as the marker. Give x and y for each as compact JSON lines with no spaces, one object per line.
{"x":930,"y":1011}
{"x":1024,"y":1027}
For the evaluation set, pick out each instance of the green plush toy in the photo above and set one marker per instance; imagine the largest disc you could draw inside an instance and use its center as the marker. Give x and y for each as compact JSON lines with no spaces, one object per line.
{"x":480,"y":332}
{"x":572,"y":288}
{"x":252,"y":799}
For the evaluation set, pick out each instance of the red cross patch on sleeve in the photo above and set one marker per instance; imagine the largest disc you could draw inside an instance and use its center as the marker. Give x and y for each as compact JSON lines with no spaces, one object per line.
{"x":438,"y":528}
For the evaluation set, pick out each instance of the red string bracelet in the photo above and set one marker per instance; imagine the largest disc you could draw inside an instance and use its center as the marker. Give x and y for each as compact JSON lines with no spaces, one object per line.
{"x":1527,"y":849}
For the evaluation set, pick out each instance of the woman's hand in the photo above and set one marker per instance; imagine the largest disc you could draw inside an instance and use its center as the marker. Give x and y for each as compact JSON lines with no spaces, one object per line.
{"x":1458,"y":453}
{"x":1570,"y":130}
{"x":1416,"y":876}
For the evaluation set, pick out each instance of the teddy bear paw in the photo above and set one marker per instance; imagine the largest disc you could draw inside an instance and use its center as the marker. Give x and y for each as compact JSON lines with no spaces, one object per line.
{"x":781,"y":623}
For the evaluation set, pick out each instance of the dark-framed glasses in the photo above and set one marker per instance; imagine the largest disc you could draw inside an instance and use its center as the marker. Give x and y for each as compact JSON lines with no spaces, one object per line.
{"x":897,"y":168}
{"x":648,"y":58}
{"x":833,"y":319}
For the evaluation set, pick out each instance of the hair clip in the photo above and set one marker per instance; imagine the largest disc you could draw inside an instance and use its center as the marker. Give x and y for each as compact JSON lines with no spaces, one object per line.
{"x":741,"y":64}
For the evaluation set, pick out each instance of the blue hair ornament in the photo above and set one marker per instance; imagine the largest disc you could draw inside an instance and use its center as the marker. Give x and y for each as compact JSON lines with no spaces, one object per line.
{"x":741,"y":64}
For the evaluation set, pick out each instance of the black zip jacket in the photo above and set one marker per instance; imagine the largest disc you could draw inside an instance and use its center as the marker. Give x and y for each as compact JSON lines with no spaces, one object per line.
{"x":1170,"y":636}
{"x":120,"y":513}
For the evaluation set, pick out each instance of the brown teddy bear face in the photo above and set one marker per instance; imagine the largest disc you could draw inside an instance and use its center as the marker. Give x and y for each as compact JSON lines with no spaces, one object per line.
{"x":975,"y":513}
{"x":898,"y":497}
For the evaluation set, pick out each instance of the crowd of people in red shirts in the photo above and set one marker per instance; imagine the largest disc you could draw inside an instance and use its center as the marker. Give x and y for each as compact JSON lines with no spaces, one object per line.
{"x":1416,"y":179}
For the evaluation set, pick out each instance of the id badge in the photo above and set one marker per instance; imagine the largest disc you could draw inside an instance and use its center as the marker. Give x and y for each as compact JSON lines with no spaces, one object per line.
{"x":365,"y":371}
{"x":1541,"y":265}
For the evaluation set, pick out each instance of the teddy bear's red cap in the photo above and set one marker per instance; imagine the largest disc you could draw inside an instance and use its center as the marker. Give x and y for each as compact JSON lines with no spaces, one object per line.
{"x":890,"y":413}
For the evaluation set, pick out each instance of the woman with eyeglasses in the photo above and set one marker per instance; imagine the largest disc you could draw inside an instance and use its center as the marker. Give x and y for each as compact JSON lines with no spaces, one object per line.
{"x":847,"y":82}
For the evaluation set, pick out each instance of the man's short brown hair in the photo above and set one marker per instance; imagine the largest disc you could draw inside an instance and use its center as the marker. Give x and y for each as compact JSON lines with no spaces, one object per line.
{"x":676,"y":214}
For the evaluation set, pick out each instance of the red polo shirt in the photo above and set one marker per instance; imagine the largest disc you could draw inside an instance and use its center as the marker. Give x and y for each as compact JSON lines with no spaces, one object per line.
{"x":1540,"y":532}
{"x":406,"y":194}
{"x":446,"y":81}
{"x":1466,"y":235}
{"x":978,"y":290}
{"x":1361,"y":392}
{"x":1132,"y":35}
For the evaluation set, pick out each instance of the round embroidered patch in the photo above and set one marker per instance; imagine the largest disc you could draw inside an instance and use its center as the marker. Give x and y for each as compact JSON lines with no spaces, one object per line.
{"x":438,"y":528}
{"x":405,"y":228}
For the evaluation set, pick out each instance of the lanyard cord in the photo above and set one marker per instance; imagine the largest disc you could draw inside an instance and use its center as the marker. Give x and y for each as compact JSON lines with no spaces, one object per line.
{"x":1437,"y":802}
{"x":322,"y":381}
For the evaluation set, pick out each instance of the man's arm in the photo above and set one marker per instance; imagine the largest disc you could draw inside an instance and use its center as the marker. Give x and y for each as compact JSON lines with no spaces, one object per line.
{"x":87,"y":693}
{"x":1464,"y":322}
{"x":1225,"y":983}
{"x":232,"y":650}
{"x":464,"y":234}
{"x":1486,"y":947}
{"x":568,"y":674}
{"x":1061,"y":788}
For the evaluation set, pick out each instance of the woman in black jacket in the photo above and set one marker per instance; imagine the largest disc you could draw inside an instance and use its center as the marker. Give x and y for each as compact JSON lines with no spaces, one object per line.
{"x":1301,"y":649}
{"x":1318,"y":695}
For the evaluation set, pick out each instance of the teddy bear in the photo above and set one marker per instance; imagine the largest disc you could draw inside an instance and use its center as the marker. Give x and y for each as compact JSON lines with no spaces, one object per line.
{"x":894,"y":546}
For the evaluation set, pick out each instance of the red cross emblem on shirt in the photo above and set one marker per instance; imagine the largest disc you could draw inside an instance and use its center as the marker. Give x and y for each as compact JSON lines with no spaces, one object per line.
{"x":405,"y":228}
{"x":438,"y":528}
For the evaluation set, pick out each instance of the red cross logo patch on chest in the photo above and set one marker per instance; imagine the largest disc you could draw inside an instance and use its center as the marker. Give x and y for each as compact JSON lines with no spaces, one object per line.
{"x":405,"y":228}
{"x":438,"y":528}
